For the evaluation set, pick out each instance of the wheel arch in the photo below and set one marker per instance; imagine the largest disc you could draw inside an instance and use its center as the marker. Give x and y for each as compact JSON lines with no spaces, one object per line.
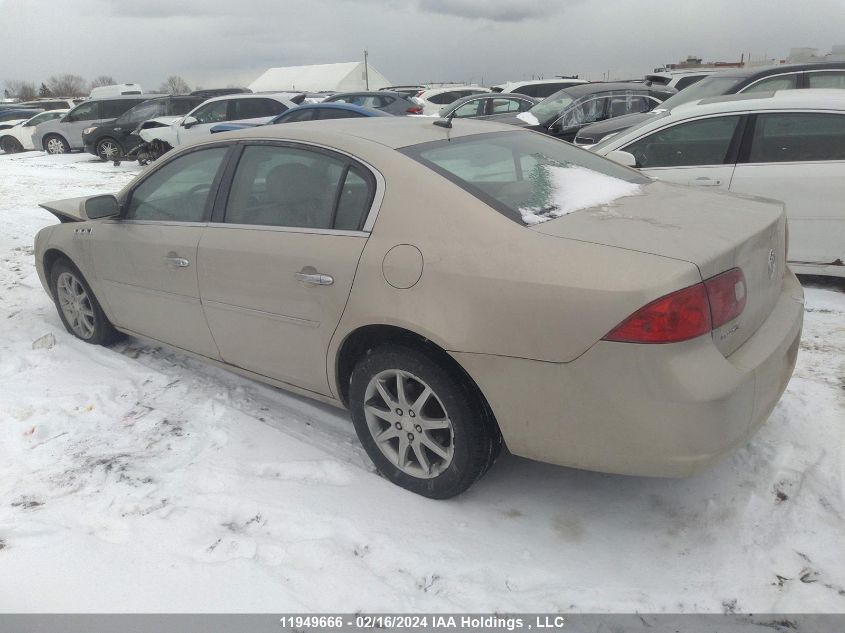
{"x":47,"y":136}
{"x":49,"y":259}
{"x":360,"y":341}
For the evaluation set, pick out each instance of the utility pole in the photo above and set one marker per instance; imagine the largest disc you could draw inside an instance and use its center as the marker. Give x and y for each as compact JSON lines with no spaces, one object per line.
{"x":366,"y":71}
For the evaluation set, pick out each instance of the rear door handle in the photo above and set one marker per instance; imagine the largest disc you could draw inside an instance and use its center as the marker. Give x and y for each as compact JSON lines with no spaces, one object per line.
{"x":179,"y":262}
{"x":318,"y":279}
{"x":703,"y":181}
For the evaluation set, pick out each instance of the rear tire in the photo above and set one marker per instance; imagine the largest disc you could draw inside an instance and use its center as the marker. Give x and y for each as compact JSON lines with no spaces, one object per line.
{"x":78,"y":308}
{"x":10,"y":145}
{"x":425,"y":428}
{"x":55,"y":144}
{"x":109,"y":149}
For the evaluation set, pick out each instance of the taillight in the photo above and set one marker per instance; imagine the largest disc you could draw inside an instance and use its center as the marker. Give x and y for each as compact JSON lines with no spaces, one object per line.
{"x":727,"y":293}
{"x":414,"y":110}
{"x":685,"y":314}
{"x":678,"y":316}
{"x":419,"y":94}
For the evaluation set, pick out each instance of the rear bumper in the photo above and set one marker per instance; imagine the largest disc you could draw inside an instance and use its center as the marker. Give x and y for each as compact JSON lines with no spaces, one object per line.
{"x":656,"y":410}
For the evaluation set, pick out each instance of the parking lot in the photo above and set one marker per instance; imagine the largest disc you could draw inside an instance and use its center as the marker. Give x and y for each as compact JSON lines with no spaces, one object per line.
{"x":135,"y":476}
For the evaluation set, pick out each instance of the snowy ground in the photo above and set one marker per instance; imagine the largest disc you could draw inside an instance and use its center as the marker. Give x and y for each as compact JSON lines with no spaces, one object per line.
{"x":136,"y":479}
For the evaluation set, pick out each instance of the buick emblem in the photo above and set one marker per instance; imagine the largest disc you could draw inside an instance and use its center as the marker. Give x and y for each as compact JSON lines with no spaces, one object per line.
{"x":772,"y":261}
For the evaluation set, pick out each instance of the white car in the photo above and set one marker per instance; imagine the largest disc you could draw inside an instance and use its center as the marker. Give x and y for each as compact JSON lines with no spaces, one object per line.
{"x":19,"y":137}
{"x":432,"y":99}
{"x":539,"y":88}
{"x":680,"y":79}
{"x":787,"y":145}
{"x":241,"y":108}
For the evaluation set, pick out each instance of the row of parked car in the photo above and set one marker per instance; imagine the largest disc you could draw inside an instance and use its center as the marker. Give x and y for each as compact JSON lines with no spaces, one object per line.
{"x":741,"y":130}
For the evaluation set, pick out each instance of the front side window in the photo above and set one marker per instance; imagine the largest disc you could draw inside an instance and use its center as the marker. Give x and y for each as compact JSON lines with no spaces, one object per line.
{"x":256,"y":108}
{"x":212,"y":112}
{"x":337,"y":113}
{"x":308,"y":114}
{"x":179,"y":191}
{"x":798,"y":136}
{"x":86,"y":112}
{"x":770,"y":84}
{"x":293,"y":187}
{"x":588,"y":111}
{"x":113,"y":108}
{"x":470,"y":109}
{"x":142,"y":112}
{"x":44,"y":116}
{"x":828,"y":79}
{"x":526,"y":177}
{"x":178,"y":107}
{"x":701,"y":142}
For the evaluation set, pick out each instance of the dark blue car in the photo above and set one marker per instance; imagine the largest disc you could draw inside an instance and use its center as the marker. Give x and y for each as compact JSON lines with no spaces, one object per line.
{"x":309,"y":112}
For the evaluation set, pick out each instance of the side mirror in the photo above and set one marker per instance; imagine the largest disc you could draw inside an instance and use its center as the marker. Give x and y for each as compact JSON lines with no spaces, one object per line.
{"x":189,"y":121}
{"x":623,"y":158}
{"x":105,"y":206}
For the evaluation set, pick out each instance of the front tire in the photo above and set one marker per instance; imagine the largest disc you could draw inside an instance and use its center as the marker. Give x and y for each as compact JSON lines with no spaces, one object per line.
{"x":424,"y":427}
{"x":78,"y":308}
{"x":109,"y":149}
{"x":10,"y":145}
{"x":55,"y":144}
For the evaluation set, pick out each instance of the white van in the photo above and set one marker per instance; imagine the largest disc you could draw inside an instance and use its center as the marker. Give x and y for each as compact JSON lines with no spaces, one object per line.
{"x":115,"y":90}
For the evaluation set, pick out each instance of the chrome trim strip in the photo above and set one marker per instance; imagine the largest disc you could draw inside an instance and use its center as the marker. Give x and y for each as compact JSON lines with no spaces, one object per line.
{"x":171,"y":296}
{"x":286,"y":229}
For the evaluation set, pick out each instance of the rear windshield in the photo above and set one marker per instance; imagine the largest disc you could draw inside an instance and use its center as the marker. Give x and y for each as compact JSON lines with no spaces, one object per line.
{"x":526,"y":176}
{"x":707,"y":87}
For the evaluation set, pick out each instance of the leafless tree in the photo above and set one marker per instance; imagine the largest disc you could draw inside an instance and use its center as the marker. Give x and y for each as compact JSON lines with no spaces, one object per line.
{"x":19,"y":89}
{"x":67,"y":85}
{"x":102,"y":80}
{"x":175,"y":85}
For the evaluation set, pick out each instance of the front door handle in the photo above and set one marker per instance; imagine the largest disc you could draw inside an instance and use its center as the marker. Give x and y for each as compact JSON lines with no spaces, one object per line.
{"x":318,"y":279}
{"x":179,"y":262}
{"x":703,"y":181}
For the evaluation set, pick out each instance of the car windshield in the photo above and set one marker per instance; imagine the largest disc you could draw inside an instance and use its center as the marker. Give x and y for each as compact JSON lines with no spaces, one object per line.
{"x":707,"y":87}
{"x":550,"y":107}
{"x":647,"y":117}
{"x":143,"y":111}
{"x":528,"y":177}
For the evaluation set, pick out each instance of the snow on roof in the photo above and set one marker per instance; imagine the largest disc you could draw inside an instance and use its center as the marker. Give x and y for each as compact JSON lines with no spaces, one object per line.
{"x":345,"y":76}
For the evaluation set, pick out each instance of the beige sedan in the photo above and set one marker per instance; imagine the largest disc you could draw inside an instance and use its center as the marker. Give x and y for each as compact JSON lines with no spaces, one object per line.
{"x":456,"y":288}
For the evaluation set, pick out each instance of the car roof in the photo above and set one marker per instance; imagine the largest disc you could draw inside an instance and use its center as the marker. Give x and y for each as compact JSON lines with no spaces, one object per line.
{"x":336,"y":106}
{"x":369,"y":93}
{"x":451,"y":88}
{"x":764,"y":71}
{"x":393,"y":132}
{"x":141,"y":97}
{"x":495,"y":95}
{"x":606,"y":86}
{"x":252,"y":95}
{"x":806,"y":98}
{"x":556,"y":80}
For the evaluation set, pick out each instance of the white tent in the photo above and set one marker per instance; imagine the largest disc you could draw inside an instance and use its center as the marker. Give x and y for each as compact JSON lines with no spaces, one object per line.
{"x":344,"y":77}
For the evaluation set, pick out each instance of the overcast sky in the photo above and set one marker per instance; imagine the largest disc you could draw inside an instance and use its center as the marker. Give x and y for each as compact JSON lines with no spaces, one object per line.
{"x":216,"y":43}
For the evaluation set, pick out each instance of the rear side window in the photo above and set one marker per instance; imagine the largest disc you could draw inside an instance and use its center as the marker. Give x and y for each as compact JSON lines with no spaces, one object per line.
{"x":526,"y":177}
{"x":179,"y":191}
{"x":308,"y":114}
{"x":294,"y":187}
{"x":501,"y":106}
{"x":470,"y":109}
{"x":784,"y":82}
{"x":701,"y":142}
{"x":628,"y":104}
{"x":829,"y":79}
{"x":337,"y":113}
{"x":799,"y":136}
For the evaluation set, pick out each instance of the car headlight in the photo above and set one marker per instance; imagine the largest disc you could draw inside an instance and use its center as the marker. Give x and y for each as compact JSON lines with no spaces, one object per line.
{"x":88,"y":130}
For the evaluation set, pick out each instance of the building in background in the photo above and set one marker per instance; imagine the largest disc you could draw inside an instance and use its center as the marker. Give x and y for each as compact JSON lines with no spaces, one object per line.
{"x":342,"y":77}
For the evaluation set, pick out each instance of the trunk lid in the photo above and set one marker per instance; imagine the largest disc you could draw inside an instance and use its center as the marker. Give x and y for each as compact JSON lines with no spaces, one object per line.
{"x":714,"y":231}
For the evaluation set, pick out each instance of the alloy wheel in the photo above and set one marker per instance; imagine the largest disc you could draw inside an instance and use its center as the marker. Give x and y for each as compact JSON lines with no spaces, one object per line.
{"x":108,"y":150}
{"x":55,"y":146}
{"x":409,"y":423}
{"x":75,"y":305}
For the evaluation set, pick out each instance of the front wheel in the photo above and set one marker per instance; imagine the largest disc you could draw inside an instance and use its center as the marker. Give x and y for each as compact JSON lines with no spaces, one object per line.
{"x":55,"y":144}
{"x":109,"y":149}
{"x":78,"y":308}
{"x":10,"y":145}
{"x":424,"y":427}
